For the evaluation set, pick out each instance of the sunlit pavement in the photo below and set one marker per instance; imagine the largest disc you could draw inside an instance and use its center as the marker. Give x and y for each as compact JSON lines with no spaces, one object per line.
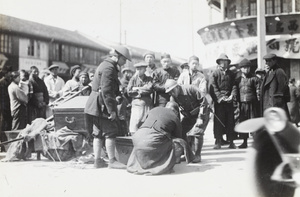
{"x":222,"y":173}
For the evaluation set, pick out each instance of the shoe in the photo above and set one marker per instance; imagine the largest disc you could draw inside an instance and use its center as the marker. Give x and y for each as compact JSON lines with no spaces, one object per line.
{"x":232,"y":146}
{"x":224,"y":142}
{"x":217,"y":146}
{"x":114,"y":164}
{"x":100,"y":163}
{"x":243,"y":145}
{"x":197,"y":159}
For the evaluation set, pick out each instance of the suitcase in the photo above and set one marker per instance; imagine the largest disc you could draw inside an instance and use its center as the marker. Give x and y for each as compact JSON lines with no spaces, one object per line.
{"x":71,"y":114}
{"x":124,"y":148}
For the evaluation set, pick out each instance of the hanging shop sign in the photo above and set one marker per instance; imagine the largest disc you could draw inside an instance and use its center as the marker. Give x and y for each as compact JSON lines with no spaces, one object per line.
{"x":285,"y":46}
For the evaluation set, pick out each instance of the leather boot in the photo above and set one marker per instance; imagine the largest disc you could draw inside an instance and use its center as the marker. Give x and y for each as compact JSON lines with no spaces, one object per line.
{"x":218,"y":144}
{"x":198,"y":148}
{"x":232,"y":145}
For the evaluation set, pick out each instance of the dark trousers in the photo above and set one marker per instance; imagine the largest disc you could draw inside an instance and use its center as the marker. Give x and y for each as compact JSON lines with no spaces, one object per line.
{"x":225,"y":112}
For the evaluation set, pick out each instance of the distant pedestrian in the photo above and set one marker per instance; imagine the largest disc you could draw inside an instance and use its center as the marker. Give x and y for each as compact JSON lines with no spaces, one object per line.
{"x":293,"y":105}
{"x":149,"y":58}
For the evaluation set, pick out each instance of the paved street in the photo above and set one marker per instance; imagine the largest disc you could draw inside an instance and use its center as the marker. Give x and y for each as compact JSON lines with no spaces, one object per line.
{"x":222,"y":173}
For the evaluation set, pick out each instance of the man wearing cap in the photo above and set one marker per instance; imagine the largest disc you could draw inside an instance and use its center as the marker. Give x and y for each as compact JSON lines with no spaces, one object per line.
{"x":73,"y":83}
{"x":195,"y":110}
{"x":160,"y":77}
{"x":247,"y":88}
{"x":149,"y":57}
{"x":54,"y":83}
{"x":101,"y":107}
{"x":139,"y":89}
{"x":84,"y":84}
{"x":18,"y":102}
{"x":194,"y":76}
{"x":223,"y":90}
{"x":274,"y":87}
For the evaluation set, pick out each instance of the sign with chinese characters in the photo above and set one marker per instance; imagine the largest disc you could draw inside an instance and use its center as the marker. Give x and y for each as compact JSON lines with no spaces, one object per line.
{"x":26,"y":63}
{"x":285,"y":46}
{"x":247,"y":27}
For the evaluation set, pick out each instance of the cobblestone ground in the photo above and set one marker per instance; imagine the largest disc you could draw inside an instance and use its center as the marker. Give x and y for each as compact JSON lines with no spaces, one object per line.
{"x":222,"y":173}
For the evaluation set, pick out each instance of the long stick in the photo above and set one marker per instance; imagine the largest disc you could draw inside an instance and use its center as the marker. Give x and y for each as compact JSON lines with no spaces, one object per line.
{"x":216,"y":116}
{"x":10,"y":141}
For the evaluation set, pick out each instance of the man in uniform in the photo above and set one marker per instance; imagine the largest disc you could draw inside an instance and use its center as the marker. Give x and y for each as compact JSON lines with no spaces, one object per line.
{"x":101,"y":107}
{"x":195,"y":110}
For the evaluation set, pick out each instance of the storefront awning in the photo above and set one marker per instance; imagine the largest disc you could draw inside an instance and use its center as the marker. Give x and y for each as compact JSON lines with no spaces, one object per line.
{"x":88,"y":67}
{"x":63,"y":67}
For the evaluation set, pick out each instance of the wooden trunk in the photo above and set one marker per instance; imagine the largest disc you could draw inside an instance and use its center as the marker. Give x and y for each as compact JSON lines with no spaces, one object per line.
{"x":124,"y":148}
{"x":71,"y":114}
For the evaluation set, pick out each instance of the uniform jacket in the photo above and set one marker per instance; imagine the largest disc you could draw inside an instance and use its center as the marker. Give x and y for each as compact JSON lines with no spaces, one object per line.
{"x":222,"y":84}
{"x":105,"y":89}
{"x":273,"y":89}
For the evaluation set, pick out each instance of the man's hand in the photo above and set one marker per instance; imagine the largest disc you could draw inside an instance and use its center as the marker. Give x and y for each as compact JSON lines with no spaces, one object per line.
{"x":199,"y":122}
{"x":112,"y":116}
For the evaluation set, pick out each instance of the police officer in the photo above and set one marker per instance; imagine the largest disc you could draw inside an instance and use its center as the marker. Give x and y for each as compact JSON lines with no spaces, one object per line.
{"x":195,"y":110}
{"x":101,"y":107}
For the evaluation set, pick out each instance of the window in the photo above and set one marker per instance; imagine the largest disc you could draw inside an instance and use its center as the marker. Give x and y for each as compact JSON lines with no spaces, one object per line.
{"x":269,"y":6}
{"x":277,"y":6}
{"x":30,"y":48}
{"x":231,"y":8}
{"x":297,"y":5}
{"x":38,"y":49}
{"x":65,"y":53}
{"x":5,"y":43}
{"x":253,"y":8}
{"x":286,"y":6}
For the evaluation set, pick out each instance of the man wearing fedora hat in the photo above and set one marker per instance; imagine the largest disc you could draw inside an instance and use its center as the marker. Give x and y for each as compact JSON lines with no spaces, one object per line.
{"x":247,"y":89}
{"x":139,"y":89}
{"x":223,"y":90}
{"x":101,"y":107}
{"x":274,"y":88}
{"x":54,"y":83}
{"x":195,"y":110}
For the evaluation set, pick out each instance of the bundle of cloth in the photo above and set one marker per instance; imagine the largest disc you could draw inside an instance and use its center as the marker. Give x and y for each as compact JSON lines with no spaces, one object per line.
{"x":60,"y":145}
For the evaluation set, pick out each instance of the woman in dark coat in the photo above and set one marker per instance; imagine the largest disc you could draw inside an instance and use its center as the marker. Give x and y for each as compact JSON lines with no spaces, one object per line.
{"x":293,"y":105}
{"x":153,"y":150}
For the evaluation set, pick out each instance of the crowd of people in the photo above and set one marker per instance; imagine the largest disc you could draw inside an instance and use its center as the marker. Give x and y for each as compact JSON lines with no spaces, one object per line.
{"x":161,"y":107}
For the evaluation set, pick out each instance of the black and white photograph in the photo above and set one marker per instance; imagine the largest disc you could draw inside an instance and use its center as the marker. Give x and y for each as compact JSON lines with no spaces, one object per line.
{"x":151,"y":98}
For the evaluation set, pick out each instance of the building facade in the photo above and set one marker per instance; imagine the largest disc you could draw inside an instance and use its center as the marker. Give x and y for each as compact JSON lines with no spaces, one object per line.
{"x":236,"y":32}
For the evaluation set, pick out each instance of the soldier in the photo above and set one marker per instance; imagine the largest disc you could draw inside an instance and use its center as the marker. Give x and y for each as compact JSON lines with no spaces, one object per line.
{"x":101,"y":107}
{"x":195,"y":110}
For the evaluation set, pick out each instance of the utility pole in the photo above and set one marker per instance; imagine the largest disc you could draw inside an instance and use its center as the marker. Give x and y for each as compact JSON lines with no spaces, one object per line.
{"x":261,"y":33}
{"x":120,"y":39}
